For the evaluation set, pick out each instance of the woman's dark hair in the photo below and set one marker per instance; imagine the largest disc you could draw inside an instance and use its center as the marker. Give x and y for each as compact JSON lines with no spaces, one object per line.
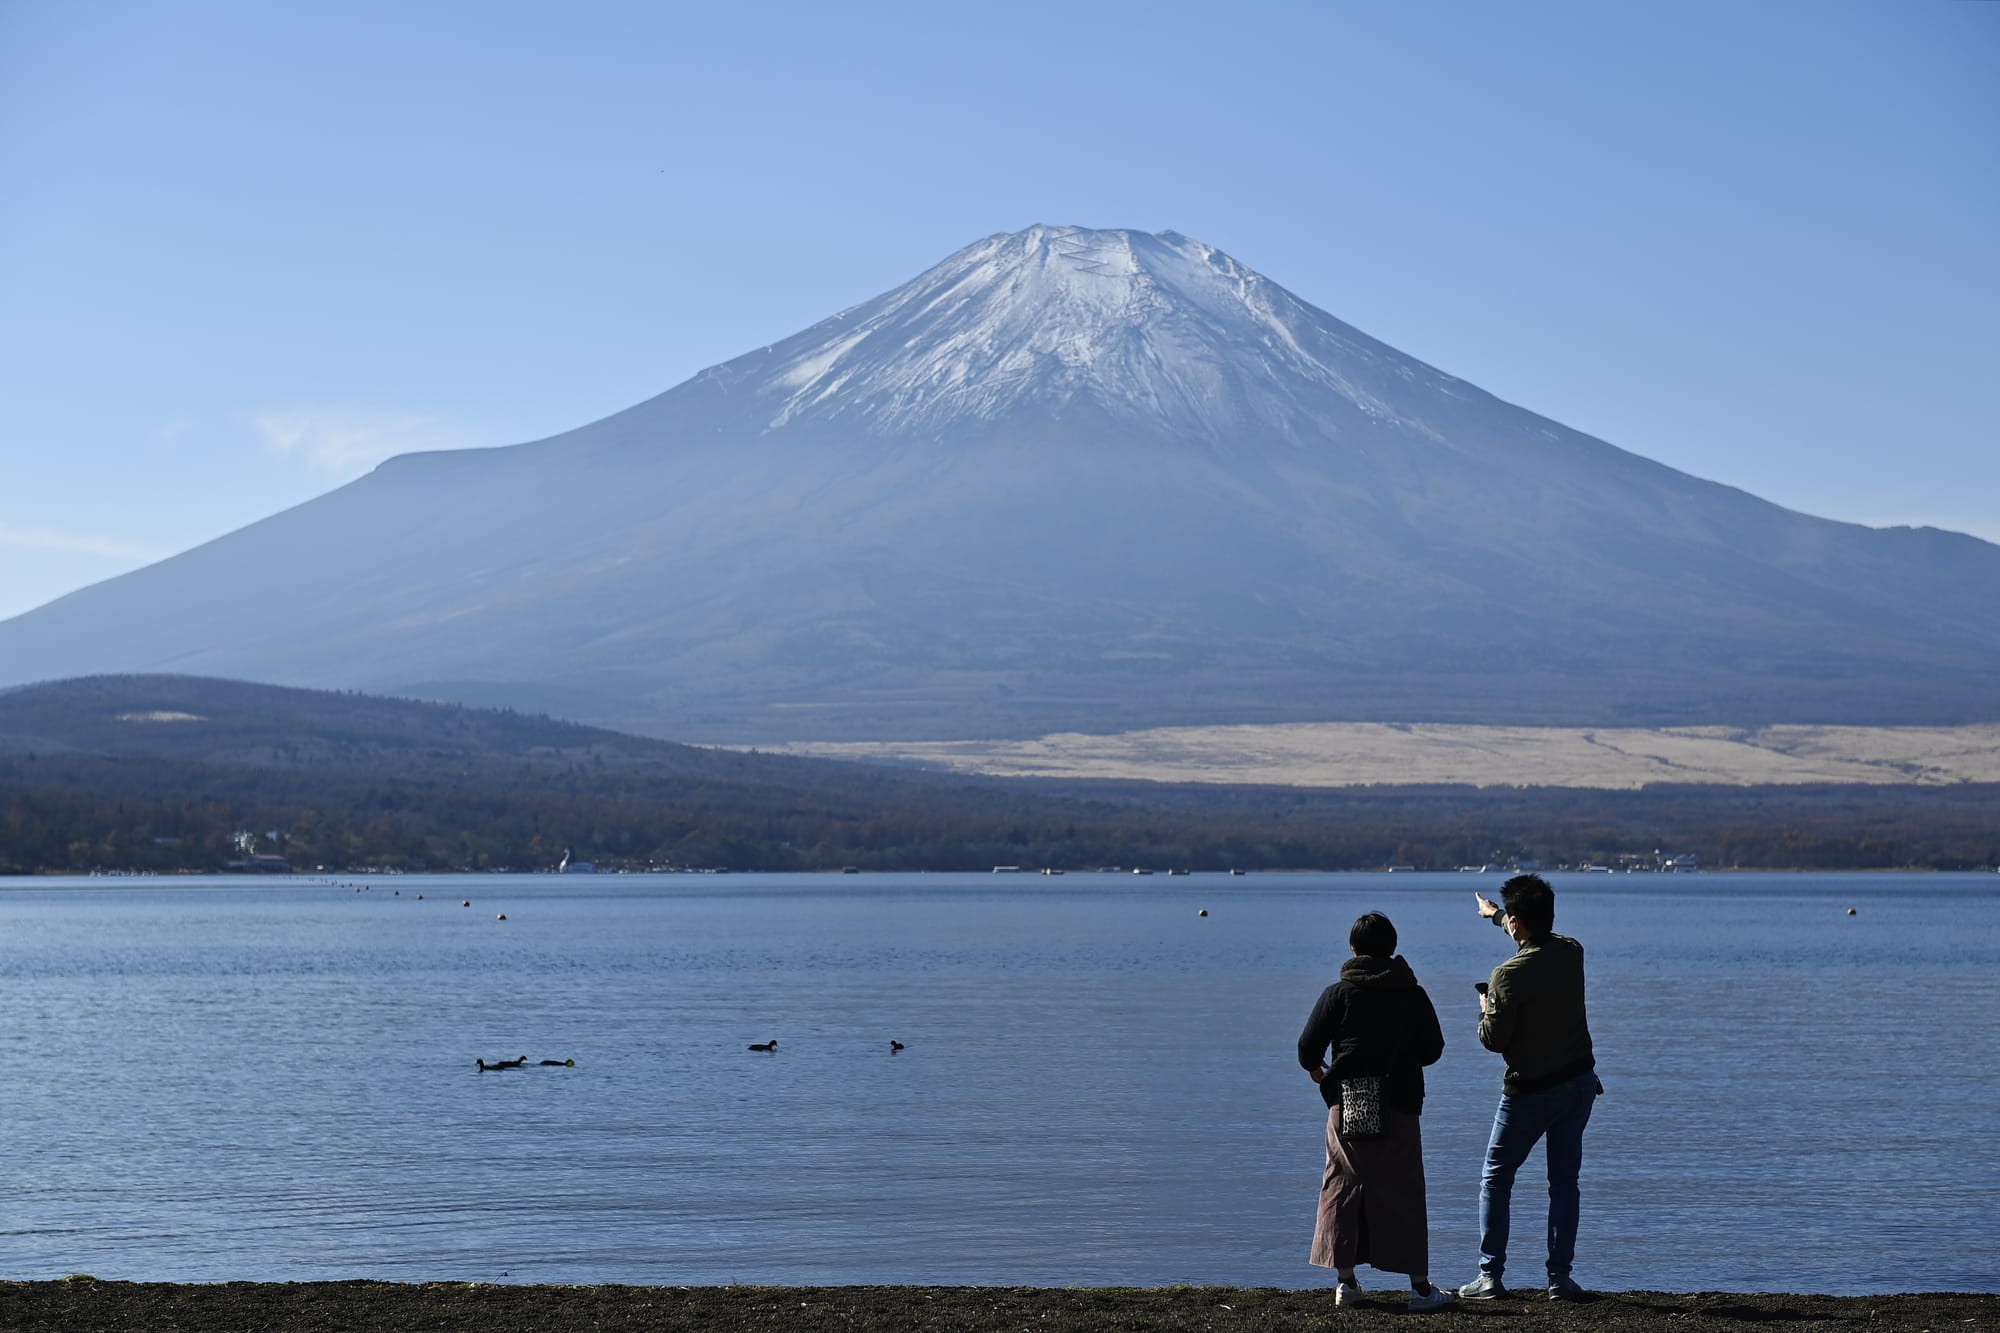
{"x":1373,"y":936}
{"x":1530,"y":901}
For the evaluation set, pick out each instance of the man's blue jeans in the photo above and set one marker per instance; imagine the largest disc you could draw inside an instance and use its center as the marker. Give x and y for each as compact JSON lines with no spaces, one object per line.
{"x":1559,"y":1114}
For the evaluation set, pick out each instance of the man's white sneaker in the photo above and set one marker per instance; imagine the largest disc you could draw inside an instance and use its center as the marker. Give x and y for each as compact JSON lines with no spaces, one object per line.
{"x":1434,"y":1299}
{"x":1485,"y":1287}
{"x":1347,"y":1293}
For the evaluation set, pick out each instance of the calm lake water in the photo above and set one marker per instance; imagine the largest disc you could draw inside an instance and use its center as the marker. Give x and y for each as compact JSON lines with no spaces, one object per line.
{"x":218,"y":1079}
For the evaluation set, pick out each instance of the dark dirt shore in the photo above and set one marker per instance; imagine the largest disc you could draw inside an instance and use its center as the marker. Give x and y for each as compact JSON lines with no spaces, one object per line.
{"x":80,"y":1306}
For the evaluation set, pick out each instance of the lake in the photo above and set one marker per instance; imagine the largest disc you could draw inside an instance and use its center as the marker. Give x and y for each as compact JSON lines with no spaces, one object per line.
{"x":238,"y":1078}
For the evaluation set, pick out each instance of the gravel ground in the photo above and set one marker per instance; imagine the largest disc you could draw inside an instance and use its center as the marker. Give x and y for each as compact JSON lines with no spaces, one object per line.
{"x":82,"y":1305}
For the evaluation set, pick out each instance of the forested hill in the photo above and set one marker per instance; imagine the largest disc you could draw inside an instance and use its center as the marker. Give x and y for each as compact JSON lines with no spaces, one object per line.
{"x":163,"y":772}
{"x":195,"y":719}
{"x":183,"y":773}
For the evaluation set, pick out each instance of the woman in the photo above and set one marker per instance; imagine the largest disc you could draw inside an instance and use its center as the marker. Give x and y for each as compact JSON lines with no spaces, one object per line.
{"x":1382,"y":1031}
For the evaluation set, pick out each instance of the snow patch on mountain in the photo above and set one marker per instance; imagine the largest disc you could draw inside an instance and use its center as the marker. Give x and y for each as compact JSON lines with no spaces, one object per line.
{"x":1148,"y":328}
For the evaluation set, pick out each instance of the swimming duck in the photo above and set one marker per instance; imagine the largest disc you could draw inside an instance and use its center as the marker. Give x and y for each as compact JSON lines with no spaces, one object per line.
{"x":894,"y":1046}
{"x":502,"y":1064}
{"x":561,"y":1064}
{"x":771,"y":1045}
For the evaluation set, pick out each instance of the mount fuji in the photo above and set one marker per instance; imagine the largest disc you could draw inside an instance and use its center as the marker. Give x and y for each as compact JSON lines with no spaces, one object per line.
{"x":1065,"y":479}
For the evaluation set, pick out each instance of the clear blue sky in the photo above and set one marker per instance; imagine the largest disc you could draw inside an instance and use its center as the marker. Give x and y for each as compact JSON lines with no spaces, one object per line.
{"x":247,"y":250}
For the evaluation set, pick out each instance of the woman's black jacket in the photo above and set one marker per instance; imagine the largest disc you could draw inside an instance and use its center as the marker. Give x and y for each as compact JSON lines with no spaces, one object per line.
{"x":1378,"y":1021}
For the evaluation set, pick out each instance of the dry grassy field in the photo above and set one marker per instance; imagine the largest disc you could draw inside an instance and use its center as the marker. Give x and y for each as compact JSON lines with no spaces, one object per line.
{"x":1351,"y":754}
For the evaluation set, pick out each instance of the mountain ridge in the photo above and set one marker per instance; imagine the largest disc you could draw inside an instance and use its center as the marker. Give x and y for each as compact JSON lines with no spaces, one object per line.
{"x":1065,"y":480}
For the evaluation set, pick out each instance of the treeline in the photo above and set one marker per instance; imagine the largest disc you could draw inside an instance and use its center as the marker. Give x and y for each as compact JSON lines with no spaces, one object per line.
{"x":79,"y":813}
{"x":162,"y":773}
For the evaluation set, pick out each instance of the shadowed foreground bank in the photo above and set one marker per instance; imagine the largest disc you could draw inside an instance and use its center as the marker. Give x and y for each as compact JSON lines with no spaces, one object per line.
{"x":79,"y":1306}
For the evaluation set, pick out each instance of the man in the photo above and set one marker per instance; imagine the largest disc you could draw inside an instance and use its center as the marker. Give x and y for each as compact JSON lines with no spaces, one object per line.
{"x":1531,"y":1012}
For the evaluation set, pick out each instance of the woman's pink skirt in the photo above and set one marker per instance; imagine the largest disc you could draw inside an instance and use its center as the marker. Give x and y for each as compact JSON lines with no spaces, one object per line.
{"x":1371,"y":1199}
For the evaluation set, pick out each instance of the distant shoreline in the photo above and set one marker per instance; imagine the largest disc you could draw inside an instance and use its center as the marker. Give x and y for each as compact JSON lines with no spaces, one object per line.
{"x":82,"y":1305}
{"x":275,"y":779}
{"x":349,"y":877}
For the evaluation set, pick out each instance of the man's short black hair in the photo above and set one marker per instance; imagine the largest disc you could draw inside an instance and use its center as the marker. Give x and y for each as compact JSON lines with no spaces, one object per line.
{"x":1373,"y":935}
{"x":1530,"y":901}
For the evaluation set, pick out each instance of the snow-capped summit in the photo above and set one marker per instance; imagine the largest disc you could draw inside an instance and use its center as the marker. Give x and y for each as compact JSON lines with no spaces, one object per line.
{"x":1152,"y":328}
{"x":1064,"y":480}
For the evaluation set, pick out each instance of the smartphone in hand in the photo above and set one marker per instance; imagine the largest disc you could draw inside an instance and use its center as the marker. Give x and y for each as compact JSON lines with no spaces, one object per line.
{"x":1479,"y":986}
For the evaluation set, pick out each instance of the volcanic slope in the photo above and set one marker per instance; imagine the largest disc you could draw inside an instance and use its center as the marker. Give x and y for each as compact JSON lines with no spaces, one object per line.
{"x":1065,"y":480}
